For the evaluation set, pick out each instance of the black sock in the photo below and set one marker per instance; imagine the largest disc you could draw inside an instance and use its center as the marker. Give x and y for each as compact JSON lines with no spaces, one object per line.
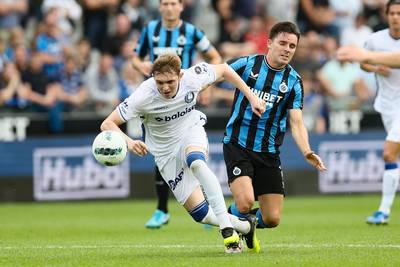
{"x":162,"y":190}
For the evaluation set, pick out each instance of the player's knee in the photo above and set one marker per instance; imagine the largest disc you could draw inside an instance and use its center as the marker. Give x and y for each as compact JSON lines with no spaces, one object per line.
{"x":195,"y":159}
{"x":389,"y":156}
{"x":244,"y":205}
{"x":199,"y":212}
{"x":272,"y":221}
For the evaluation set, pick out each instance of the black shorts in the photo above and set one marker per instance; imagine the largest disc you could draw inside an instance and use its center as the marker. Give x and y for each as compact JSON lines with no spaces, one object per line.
{"x":264,"y":169}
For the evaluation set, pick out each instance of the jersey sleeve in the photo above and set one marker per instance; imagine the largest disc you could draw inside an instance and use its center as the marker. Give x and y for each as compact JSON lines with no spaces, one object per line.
{"x":142,"y":46}
{"x":203,"y":74}
{"x":237,"y":63}
{"x":133,"y":105}
{"x":201,"y":41}
{"x":295,"y":100}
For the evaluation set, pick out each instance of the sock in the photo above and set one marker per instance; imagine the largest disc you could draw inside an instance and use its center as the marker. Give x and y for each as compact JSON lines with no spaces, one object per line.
{"x":162,"y":190}
{"x":234,"y":210}
{"x":260,"y":223}
{"x":389,"y":186}
{"x":240,"y":225}
{"x":213,"y":190}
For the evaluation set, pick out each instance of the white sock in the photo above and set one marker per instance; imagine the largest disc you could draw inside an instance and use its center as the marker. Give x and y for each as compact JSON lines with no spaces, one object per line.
{"x":239,"y":225}
{"x":213,"y":190}
{"x":389,"y":187}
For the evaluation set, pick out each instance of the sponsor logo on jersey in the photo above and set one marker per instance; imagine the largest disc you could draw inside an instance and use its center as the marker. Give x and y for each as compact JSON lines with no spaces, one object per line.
{"x":174,"y":183}
{"x":253,"y":76}
{"x":177,"y":115}
{"x":269,"y":98}
{"x":189,"y":97}
{"x":158,"y":51}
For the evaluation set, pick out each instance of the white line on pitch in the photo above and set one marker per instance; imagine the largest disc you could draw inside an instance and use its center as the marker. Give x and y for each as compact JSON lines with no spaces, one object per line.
{"x":172,"y":246}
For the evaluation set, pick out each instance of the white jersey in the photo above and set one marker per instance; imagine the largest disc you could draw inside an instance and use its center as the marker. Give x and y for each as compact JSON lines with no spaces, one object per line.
{"x":167,"y":121}
{"x":388,"y":93}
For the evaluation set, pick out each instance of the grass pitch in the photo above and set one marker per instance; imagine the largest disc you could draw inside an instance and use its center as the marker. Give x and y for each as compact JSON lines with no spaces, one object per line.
{"x":315,"y":231}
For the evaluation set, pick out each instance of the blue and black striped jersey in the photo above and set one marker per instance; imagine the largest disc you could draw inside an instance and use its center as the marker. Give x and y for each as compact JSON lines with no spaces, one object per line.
{"x":183,"y":40}
{"x":281,"y":89}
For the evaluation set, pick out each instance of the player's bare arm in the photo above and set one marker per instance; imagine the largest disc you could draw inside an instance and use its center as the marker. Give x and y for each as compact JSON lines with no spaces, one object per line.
{"x":353,"y":53}
{"x":300,"y":135}
{"x":257,"y":104}
{"x":112,"y":122}
{"x":143,"y":66}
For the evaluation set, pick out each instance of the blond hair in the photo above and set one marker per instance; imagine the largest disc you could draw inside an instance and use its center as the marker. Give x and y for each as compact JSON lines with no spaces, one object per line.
{"x":170,"y":63}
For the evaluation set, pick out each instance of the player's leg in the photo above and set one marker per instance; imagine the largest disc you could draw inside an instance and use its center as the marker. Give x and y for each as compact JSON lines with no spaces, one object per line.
{"x":239,"y":170}
{"x":391,"y":174}
{"x":160,"y":216}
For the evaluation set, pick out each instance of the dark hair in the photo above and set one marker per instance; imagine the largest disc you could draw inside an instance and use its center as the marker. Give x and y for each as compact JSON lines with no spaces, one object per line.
{"x":180,"y":1}
{"x":391,"y":3}
{"x":286,"y":26}
{"x":167,"y":63}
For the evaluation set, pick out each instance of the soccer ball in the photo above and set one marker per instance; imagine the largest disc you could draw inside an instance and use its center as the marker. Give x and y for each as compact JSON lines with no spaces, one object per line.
{"x":109,"y":148}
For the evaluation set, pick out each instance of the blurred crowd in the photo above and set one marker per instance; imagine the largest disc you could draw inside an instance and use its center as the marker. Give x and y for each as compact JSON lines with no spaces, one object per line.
{"x":62,"y":56}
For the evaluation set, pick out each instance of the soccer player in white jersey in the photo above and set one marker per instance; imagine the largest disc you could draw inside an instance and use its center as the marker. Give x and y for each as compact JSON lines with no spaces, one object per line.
{"x":176,"y":137}
{"x":387,"y":103}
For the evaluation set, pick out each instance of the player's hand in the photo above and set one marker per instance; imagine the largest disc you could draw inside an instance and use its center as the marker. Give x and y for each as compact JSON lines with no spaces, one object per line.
{"x":351,"y":53}
{"x":257,"y":106}
{"x":315,"y":160}
{"x":137,"y":147}
{"x":383,"y":70}
{"x":145,"y":68}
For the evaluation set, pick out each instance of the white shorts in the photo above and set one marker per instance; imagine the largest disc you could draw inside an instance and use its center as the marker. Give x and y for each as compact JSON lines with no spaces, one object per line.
{"x":175,"y":171}
{"x":392,"y":126}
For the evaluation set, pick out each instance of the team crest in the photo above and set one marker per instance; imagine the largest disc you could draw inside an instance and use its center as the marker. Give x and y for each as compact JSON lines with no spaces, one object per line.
{"x":283,"y":87}
{"x":156,"y":39}
{"x":181,"y":40}
{"x":236,"y":171}
{"x":189,"y":97}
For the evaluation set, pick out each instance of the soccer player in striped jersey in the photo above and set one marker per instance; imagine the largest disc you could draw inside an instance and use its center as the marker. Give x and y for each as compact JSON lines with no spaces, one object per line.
{"x":251,"y":143}
{"x":170,"y":35}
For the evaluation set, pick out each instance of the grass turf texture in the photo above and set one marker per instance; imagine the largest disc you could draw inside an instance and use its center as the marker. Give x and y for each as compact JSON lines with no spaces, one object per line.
{"x":314,"y":231}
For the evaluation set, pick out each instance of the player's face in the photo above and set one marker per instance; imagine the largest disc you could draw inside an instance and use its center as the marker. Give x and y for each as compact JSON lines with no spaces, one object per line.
{"x":167,"y":84}
{"x":281,"y":49}
{"x":394,"y":17}
{"x":170,"y":10}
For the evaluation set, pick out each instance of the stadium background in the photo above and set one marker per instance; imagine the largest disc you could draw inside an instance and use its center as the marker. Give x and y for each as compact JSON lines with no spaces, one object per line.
{"x":90,"y":60}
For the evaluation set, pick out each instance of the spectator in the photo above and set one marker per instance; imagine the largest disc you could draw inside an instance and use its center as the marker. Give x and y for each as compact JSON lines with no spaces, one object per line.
{"x":95,"y":19}
{"x":11,"y":13}
{"x":12,"y":91}
{"x":70,"y":13}
{"x":51,"y":44}
{"x":102,"y":81}
{"x":318,"y":16}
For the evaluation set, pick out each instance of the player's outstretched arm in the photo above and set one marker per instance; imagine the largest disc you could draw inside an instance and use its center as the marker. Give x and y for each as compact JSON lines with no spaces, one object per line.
{"x":354,"y":53}
{"x":112,"y":122}
{"x":226,"y":72}
{"x":300,"y":135}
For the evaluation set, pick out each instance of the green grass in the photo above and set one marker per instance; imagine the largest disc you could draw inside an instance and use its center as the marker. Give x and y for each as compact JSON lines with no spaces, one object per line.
{"x":315,"y":231}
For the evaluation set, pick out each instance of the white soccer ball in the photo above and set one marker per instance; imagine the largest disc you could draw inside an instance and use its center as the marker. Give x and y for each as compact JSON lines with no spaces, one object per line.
{"x":109,"y":148}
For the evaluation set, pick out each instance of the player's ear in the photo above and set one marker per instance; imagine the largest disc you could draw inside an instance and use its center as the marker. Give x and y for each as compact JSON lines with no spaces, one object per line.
{"x":269,"y":44}
{"x":180,"y":74}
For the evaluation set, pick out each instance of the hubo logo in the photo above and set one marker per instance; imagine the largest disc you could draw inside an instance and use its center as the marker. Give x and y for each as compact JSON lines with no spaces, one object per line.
{"x":177,"y":115}
{"x":353,"y":166}
{"x":72,"y":173}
